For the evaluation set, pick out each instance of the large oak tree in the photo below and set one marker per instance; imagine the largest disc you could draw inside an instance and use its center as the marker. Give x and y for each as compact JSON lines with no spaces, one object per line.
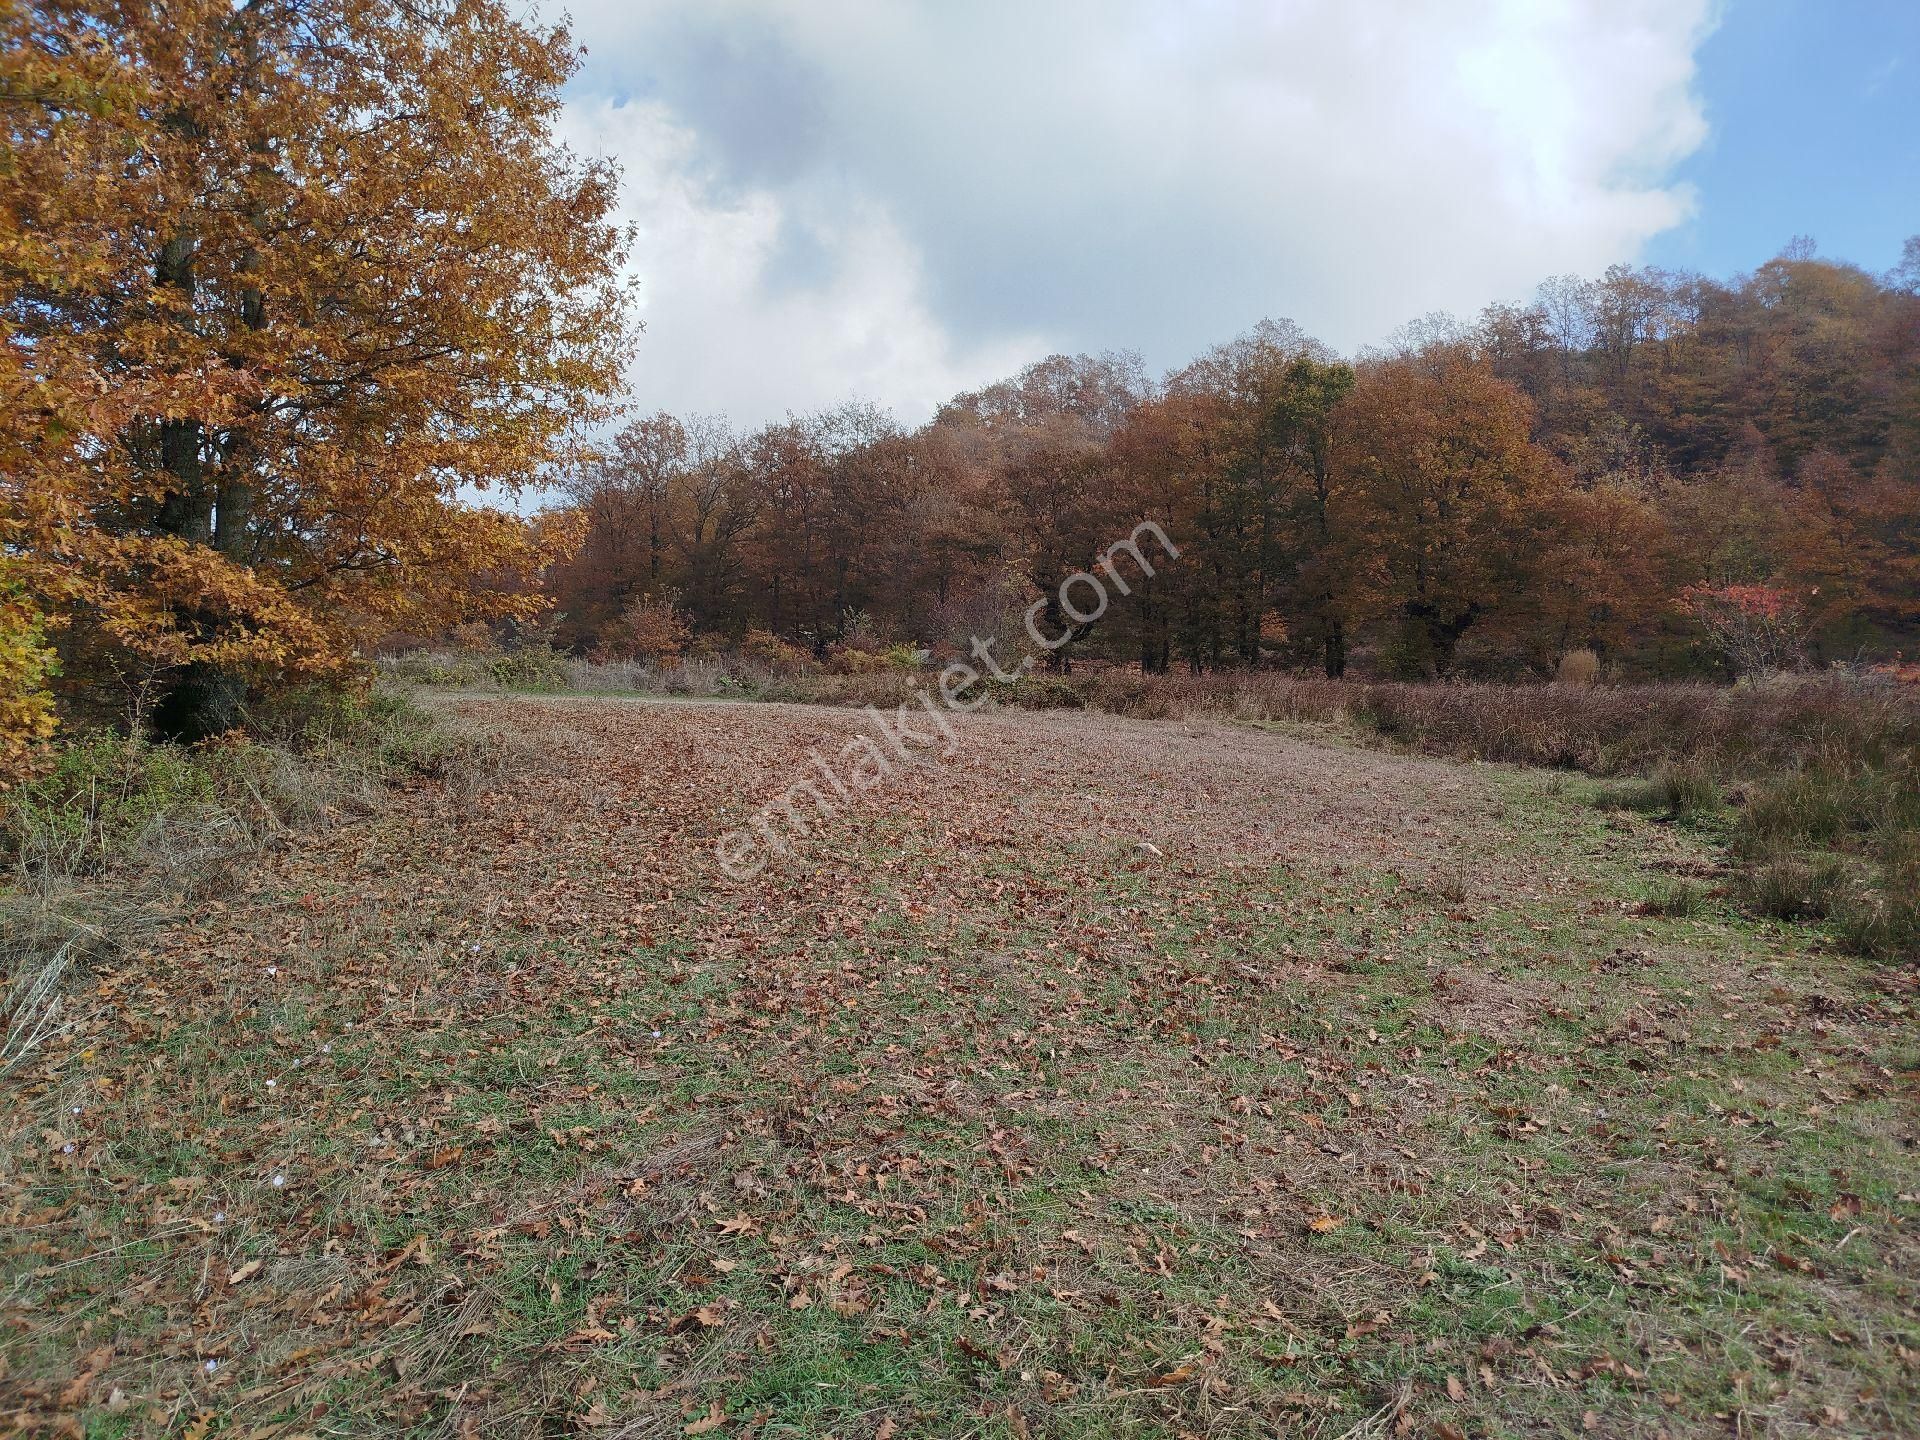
{"x":283,"y":285}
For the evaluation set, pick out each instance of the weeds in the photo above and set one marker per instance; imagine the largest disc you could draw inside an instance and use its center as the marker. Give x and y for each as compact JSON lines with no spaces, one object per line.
{"x":1789,"y":886}
{"x":1839,"y":842}
{"x":1676,"y":900}
{"x":118,"y":831}
{"x":1675,"y":791}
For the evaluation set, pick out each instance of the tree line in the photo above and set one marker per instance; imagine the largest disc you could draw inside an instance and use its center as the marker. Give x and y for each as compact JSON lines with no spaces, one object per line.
{"x":288,"y":286}
{"x":1624,"y":465}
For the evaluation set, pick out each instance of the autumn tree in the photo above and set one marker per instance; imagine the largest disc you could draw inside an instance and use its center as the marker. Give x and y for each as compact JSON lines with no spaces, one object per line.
{"x":1906,"y":275}
{"x":286,"y":282}
{"x":1450,"y":492}
{"x":625,"y":498}
{"x":1299,"y":424}
{"x":1046,"y":435}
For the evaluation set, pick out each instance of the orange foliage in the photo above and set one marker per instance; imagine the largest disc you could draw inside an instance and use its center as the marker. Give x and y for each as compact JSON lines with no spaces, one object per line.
{"x":283,"y":287}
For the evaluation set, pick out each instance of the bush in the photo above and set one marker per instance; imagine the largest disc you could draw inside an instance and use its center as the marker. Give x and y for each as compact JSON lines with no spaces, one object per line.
{"x":531,"y":667}
{"x":651,"y":628}
{"x":786,"y":660}
{"x":1578,"y":667}
{"x":439,"y":670}
{"x":99,"y":797}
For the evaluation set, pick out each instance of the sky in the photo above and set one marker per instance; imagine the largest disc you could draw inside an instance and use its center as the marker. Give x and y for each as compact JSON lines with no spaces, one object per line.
{"x":896,"y":200}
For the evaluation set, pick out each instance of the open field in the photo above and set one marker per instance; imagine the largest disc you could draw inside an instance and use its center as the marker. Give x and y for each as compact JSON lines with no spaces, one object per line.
{"x":1107,"y":1077}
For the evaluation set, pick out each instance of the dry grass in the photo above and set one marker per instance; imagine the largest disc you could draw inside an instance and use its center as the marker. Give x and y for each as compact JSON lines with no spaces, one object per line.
{"x":1787,"y":722}
{"x":120,"y":834}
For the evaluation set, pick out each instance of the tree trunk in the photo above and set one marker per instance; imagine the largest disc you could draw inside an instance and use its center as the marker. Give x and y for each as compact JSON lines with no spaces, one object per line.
{"x":1333,"y":650}
{"x":205,"y":699}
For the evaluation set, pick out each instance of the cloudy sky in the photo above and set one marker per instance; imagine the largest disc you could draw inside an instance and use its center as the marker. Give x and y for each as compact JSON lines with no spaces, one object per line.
{"x":898,"y":199}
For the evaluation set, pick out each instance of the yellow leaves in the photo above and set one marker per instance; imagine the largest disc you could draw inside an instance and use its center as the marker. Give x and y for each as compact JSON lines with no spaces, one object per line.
{"x":1325,"y":1224}
{"x":26,"y":665}
{"x":203,"y":479}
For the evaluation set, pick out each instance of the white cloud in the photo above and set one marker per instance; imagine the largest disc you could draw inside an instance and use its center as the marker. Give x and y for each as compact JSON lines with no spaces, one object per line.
{"x":899,"y":199}
{"x":756,"y":302}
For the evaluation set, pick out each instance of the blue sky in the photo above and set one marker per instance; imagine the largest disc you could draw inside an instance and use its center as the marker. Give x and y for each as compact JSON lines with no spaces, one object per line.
{"x":1813,"y":109}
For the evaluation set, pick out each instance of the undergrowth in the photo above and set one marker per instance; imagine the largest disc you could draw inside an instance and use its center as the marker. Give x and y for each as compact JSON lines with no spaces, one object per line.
{"x":118,"y":831}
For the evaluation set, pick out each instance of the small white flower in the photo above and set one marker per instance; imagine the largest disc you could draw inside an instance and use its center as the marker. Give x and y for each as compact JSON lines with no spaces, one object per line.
{"x":76,"y":1109}
{"x":67,"y":1149}
{"x":475,"y":947}
{"x":656,"y":1034}
{"x":273,"y":969}
{"x":279,"y":1181}
{"x":219,"y":1217}
{"x":272,"y":1083}
{"x":212,"y":1365}
{"x":327,"y":1049}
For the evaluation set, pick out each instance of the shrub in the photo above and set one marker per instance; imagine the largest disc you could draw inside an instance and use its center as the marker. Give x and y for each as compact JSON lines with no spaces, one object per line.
{"x":1759,"y":628}
{"x":531,"y":667}
{"x":443,"y":671}
{"x":98,"y":798}
{"x":781,"y":657}
{"x":904,"y":657}
{"x":652,"y":628}
{"x":1578,"y":667}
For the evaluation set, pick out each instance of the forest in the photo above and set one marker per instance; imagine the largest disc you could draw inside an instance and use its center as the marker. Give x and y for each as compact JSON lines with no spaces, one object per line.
{"x":1685,"y":476}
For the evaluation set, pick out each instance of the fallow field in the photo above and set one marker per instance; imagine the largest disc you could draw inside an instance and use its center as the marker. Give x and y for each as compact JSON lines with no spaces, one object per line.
{"x":1103,"y":1077}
